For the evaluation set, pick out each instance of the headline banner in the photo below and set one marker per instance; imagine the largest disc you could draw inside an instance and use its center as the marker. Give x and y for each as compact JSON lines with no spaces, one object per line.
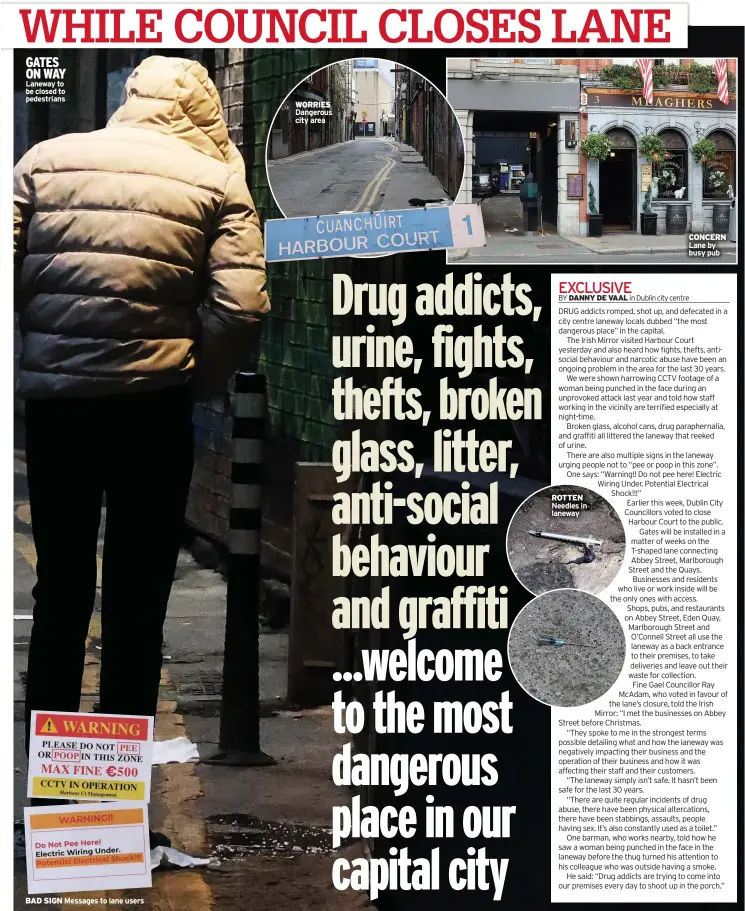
{"x":371,"y":24}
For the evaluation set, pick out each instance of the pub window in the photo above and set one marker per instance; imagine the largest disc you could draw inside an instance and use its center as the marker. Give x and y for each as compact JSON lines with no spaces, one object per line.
{"x":719,"y":173}
{"x":670,"y":171}
{"x":621,"y":139}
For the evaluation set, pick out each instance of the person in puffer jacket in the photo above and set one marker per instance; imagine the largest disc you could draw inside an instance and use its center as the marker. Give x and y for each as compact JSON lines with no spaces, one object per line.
{"x":140,"y":278}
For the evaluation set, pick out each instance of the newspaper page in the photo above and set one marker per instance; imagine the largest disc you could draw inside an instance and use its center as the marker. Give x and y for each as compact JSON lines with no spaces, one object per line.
{"x":376,"y":499}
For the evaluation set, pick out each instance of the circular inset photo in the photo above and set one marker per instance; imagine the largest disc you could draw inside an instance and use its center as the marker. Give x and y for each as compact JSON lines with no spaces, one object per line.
{"x":363,"y":135}
{"x":566,"y":648}
{"x":565,"y":537}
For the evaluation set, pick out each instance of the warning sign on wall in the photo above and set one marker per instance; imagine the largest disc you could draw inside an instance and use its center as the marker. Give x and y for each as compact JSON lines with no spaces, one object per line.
{"x":82,"y":849}
{"x":82,"y":756}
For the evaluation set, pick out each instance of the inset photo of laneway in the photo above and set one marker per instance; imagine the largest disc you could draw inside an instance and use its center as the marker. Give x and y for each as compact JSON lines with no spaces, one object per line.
{"x":364,"y":135}
{"x":582,"y":159}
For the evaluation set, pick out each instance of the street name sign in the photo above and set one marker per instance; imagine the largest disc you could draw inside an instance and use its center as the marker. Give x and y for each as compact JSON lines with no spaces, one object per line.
{"x":365,"y":233}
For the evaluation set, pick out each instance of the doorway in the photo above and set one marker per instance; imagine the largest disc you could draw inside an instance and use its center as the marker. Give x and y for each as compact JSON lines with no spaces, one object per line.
{"x":545,"y":167}
{"x":618,"y":190}
{"x":618,"y":183}
{"x":514,"y":140}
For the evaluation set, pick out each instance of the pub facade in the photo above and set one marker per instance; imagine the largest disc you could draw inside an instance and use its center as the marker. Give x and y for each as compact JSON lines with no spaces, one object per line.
{"x":536,"y":111}
{"x":687,"y":195}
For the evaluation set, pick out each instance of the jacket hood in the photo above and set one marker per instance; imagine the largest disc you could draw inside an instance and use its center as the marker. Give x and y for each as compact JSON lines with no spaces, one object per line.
{"x":175,"y":96}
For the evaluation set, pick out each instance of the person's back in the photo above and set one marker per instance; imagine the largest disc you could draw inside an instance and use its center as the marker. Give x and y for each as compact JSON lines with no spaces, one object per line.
{"x":529,"y":190}
{"x":123,"y":233}
{"x":530,"y":197}
{"x":140,"y":277}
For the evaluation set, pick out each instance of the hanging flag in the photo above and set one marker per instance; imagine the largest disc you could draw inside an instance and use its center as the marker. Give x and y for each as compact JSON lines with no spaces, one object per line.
{"x":720,"y":69}
{"x":645,"y":68}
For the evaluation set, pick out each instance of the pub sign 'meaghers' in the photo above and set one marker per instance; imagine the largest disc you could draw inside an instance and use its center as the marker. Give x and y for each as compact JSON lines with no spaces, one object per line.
{"x":620,"y":98}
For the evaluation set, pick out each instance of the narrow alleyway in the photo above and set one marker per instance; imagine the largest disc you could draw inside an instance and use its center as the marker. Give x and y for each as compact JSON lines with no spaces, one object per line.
{"x":266,"y":830}
{"x":360,"y":175}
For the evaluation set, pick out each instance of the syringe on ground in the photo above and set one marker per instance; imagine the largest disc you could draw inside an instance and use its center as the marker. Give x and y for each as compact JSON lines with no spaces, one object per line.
{"x":587,"y":544}
{"x":584,"y":542}
{"x":553,"y":640}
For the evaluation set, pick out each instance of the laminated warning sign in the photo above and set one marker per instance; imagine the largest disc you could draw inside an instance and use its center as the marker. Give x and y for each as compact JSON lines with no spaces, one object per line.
{"x":79,"y":849}
{"x":83,"y":756}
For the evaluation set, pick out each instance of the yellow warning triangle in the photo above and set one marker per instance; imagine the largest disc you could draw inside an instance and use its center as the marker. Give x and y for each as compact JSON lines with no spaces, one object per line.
{"x":48,"y":727}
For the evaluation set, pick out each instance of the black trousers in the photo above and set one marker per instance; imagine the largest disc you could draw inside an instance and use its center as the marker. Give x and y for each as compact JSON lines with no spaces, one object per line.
{"x":137,"y":449}
{"x":530,"y":218}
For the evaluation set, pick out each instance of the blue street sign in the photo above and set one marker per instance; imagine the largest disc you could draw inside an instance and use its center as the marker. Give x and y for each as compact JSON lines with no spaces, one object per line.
{"x":360,"y":233}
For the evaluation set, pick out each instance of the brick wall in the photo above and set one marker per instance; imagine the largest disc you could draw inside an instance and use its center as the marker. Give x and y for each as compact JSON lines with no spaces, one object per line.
{"x":295,"y":345}
{"x":295,"y":341}
{"x":588,"y":65}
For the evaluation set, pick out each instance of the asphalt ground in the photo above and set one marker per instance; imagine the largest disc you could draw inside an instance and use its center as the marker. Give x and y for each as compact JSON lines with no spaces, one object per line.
{"x":361,"y":175}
